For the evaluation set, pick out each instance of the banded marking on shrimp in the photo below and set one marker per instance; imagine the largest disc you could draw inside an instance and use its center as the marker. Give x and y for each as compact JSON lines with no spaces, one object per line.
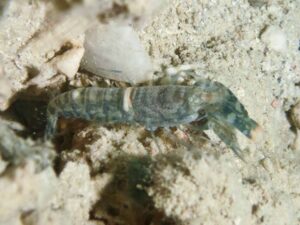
{"x":127,"y":103}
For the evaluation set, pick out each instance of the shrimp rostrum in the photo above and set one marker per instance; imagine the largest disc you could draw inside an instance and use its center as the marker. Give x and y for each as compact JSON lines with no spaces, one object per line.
{"x":158,"y":106}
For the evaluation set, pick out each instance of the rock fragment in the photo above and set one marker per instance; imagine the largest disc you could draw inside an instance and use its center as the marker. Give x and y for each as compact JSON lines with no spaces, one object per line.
{"x":69,"y":62}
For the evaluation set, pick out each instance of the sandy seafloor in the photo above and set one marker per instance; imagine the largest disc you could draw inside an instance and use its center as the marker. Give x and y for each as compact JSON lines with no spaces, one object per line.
{"x":116,"y":174}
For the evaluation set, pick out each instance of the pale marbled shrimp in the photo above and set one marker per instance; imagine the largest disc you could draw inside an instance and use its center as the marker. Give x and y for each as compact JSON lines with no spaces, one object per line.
{"x":158,"y":106}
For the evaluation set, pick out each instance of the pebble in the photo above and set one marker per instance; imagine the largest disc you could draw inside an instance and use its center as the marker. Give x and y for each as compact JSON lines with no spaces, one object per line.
{"x":275,"y":38}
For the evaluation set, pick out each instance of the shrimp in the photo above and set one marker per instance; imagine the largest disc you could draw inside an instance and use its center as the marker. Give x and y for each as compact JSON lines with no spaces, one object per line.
{"x":158,"y":106}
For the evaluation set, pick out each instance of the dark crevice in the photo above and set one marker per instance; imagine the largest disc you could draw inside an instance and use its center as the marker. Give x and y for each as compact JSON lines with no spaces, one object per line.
{"x":32,"y":72}
{"x":116,"y":10}
{"x":58,"y":165}
{"x":293,"y":128}
{"x":262,"y":31}
{"x":124,"y":199}
{"x":64,"y":48}
{"x":257,"y":3}
{"x":254,"y":209}
{"x":63,"y":5}
{"x":32,"y":115}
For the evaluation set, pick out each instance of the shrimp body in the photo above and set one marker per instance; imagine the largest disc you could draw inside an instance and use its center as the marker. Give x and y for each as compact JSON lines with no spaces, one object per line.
{"x":150,"y":106}
{"x":157,"y":106}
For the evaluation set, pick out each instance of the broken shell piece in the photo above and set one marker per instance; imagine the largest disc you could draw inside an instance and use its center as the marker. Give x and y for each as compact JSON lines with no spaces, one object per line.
{"x":66,"y":64}
{"x":69,"y":62}
{"x":115,"y":52}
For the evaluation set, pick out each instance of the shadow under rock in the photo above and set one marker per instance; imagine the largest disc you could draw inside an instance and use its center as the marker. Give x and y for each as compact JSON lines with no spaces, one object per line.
{"x":31,"y":114}
{"x":124,"y":199}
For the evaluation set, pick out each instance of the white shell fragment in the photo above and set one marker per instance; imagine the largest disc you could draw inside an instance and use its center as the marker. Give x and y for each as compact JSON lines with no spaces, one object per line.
{"x":115,"y":52}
